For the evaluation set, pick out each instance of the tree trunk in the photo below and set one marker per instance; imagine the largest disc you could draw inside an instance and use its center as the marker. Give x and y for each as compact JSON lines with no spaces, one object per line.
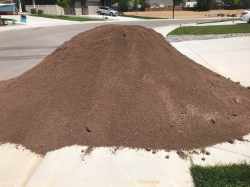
{"x":34,"y":4}
{"x":173,"y":8}
{"x":83,"y":6}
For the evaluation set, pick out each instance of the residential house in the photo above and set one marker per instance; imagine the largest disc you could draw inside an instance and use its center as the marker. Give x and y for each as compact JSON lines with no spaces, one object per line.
{"x":77,"y":7}
{"x":159,"y":3}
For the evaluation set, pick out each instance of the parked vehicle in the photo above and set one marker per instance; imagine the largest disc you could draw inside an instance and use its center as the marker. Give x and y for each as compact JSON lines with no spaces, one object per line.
{"x":106,"y":11}
{"x":190,"y":4}
{"x":245,"y":16}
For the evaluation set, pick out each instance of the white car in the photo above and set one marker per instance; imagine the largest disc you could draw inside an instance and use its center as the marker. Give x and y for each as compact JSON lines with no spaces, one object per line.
{"x":245,"y":16}
{"x":106,"y":11}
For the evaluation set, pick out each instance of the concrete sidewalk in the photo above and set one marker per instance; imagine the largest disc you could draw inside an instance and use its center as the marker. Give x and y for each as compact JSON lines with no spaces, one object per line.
{"x":229,"y":57}
{"x":111,"y":167}
{"x":34,"y":22}
{"x":38,"y":22}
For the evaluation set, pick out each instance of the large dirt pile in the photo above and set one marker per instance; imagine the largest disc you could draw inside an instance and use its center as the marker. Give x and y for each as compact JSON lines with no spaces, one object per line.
{"x":121,"y":86}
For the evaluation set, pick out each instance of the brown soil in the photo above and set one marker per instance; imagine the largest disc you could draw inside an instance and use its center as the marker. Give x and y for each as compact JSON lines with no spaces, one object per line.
{"x":121,"y":86}
{"x":185,"y":14}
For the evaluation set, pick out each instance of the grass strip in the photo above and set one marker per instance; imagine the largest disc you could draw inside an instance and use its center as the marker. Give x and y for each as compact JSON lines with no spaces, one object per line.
{"x":214,"y":29}
{"x":221,"y":176}
{"x":68,"y":18}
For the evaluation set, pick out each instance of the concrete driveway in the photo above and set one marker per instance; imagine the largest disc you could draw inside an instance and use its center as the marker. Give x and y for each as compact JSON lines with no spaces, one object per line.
{"x":229,"y":57}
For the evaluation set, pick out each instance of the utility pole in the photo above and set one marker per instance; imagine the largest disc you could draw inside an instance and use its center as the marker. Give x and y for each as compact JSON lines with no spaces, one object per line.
{"x":173,"y":8}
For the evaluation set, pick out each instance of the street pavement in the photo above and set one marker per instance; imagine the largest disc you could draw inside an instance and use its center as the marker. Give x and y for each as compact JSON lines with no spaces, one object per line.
{"x":22,"y":49}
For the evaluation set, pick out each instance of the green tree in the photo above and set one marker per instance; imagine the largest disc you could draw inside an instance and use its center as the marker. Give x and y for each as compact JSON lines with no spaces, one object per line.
{"x":63,"y":3}
{"x":235,"y":2}
{"x":245,"y":3}
{"x":123,"y":5}
{"x":136,"y":3}
{"x":178,"y":2}
{"x":205,"y":4}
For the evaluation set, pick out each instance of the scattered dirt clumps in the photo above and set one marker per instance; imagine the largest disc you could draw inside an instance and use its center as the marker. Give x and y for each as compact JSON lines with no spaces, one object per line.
{"x":121,"y":86}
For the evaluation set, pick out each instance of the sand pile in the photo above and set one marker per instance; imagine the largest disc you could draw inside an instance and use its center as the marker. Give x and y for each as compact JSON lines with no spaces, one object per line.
{"x":121,"y":86}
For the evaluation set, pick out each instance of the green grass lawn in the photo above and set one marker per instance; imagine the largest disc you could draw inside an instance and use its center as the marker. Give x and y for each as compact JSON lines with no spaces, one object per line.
{"x":215,"y":29}
{"x":69,"y":18}
{"x":221,"y":176}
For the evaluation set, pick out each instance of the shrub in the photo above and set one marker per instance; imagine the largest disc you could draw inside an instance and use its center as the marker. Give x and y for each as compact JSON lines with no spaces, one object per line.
{"x":40,"y":12}
{"x":33,"y":11}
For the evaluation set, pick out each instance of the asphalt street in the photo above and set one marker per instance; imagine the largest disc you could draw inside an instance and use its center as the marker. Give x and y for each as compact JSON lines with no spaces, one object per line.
{"x":20,"y":50}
